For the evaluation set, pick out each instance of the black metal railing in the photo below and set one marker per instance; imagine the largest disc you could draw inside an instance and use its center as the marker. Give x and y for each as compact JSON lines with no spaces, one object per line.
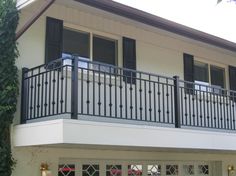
{"x":80,"y":87}
{"x":207,"y":106}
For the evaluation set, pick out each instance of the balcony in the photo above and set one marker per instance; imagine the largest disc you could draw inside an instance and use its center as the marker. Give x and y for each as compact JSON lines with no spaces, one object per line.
{"x":80,"y":89}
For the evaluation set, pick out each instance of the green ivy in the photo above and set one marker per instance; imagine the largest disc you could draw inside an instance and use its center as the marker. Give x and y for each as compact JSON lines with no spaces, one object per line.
{"x":8,"y":81}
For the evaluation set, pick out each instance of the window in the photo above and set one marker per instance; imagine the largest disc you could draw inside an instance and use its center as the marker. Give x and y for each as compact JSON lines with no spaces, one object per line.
{"x":90,"y":170}
{"x":201,"y":72}
{"x":135,"y":170}
{"x":78,"y":167}
{"x":76,"y":42}
{"x":217,"y":76}
{"x":206,"y":74}
{"x":63,"y":42}
{"x":66,"y":170}
{"x":99,"y":49}
{"x":172,"y":169}
{"x":104,"y":50}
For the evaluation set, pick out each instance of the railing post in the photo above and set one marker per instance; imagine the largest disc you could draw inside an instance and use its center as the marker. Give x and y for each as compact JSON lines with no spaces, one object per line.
{"x":74,"y":88}
{"x":24,"y":97}
{"x":177,"y":102}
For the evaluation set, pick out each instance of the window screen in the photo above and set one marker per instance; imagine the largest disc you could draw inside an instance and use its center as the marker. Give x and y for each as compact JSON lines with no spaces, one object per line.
{"x":201,"y":72}
{"x":104,"y":50}
{"x":75,"y":42}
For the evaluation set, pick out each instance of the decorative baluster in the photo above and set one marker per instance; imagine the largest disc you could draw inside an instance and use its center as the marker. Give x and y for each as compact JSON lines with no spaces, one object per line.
{"x":105,"y":94}
{"x":99,"y":90}
{"x":88,"y":99}
{"x":159,"y":99}
{"x":154,"y":93}
{"x":150,"y":97}
{"x":38,"y":96}
{"x":115,"y":75}
{"x":53,"y":92}
{"x":46,"y":95}
{"x":62,"y":89}
{"x":58,"y":88}
{"x":140,"y":95}
{"x":110,"y":91}
{"x":131,"y":96}
{"x":121,"y":102}
{"x":136,"y":100}
{"x":167,"y":101}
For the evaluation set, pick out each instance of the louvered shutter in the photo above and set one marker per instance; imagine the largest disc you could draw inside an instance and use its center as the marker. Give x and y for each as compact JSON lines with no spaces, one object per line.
{"x":129,"y":59}
{"x":189,"y":72}
{"x":53,"y":44}
{"x":232,"y":81}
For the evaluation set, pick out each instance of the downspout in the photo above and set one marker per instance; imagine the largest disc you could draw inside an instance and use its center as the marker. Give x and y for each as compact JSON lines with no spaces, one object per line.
{"x":34,"y":18}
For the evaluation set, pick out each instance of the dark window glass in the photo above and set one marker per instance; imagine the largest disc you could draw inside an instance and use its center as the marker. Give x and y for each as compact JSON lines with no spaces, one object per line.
{"x":217,"y":76}
{"x":75,"y":42}
{"x":90,"y":170}
{"x":104,"y":50}
{"x":201,"y":72}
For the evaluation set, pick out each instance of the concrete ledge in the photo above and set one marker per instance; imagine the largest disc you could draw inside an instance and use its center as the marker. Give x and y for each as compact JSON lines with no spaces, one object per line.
{"x":68,"y":131}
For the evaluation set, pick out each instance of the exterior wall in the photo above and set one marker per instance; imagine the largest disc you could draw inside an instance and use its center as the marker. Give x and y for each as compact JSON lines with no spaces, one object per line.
{"x":157,"y":51}
{"x":30,"y":158}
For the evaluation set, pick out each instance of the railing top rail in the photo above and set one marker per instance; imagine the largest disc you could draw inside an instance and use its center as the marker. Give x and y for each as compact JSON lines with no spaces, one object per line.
{"x":80,"y":59}
{"x":37,"y":67}
{"x":99,"y":64}
{"x":125,"y":69}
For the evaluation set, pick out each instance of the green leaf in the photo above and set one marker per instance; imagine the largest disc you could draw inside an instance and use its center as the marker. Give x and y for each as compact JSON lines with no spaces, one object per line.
{"x":8,"y":81}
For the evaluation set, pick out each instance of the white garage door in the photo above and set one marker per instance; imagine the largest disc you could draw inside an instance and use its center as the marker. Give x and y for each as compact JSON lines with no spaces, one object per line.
{"x":133,"y":168}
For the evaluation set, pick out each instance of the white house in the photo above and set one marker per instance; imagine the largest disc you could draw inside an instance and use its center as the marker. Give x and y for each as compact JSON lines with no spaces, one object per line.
{"x":110,"y":90}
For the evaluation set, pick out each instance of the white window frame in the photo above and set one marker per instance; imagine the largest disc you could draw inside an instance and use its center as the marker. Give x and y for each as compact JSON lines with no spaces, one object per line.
{"x":209,"y":64}
{"x":104,"y":35}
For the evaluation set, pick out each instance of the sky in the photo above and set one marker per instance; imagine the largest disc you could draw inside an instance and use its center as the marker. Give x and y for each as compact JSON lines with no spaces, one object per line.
{"x":204,"y":15}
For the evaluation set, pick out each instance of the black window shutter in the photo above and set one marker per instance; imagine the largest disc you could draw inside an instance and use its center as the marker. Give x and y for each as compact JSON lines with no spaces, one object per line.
{"x":53,"y":44}
{"x":129,"y":59}
{"x":189,"y":72}
{"x":232,"y":81}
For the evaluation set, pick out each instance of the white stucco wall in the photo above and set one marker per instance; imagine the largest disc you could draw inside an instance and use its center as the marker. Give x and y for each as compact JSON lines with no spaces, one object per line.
{"x":158,"y":51}
{"x":30,"y":158}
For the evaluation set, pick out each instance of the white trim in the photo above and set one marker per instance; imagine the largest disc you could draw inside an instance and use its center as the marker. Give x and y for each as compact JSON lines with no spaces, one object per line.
{"x":216,"y":64}
{"x":68,"y":131}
